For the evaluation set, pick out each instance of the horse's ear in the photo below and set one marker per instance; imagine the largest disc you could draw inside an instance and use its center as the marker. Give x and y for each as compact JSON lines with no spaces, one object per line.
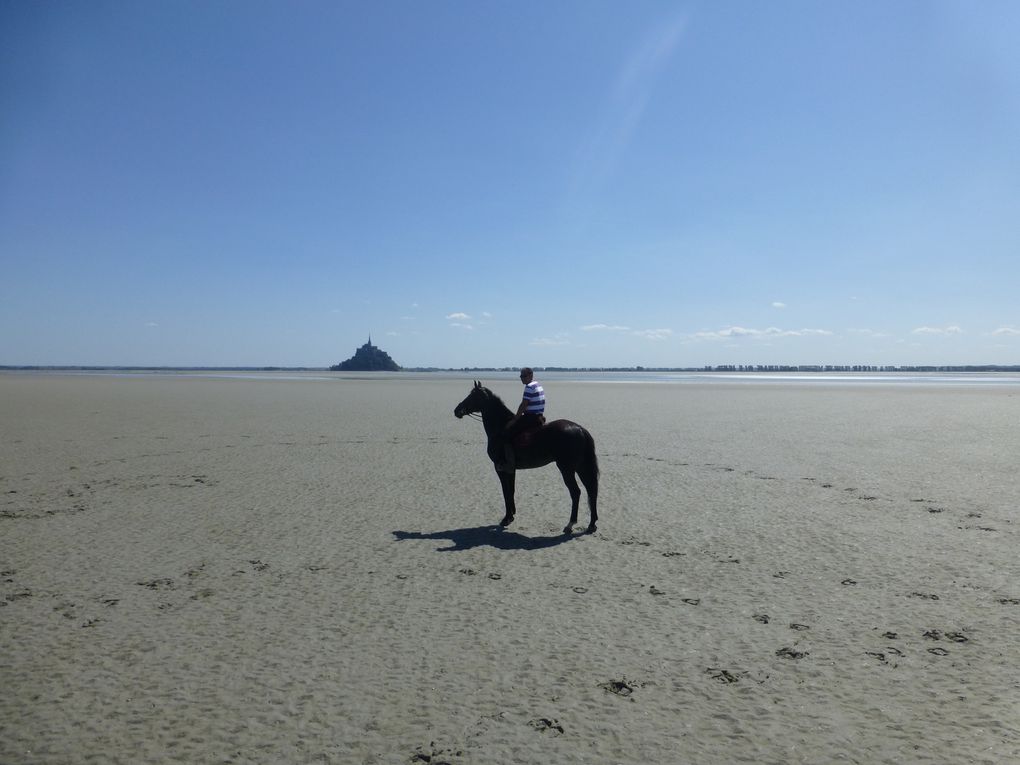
{"x":478,"y":384}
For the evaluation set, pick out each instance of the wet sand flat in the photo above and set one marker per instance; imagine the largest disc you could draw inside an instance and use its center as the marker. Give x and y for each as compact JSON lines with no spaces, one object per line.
{"x":223,"y":570}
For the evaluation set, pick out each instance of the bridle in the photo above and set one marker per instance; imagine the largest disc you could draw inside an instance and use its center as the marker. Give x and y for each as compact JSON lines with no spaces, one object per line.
{"x":476,"y":415}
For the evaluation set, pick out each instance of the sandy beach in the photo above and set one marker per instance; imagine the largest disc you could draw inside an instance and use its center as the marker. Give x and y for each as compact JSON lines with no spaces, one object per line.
{"x":199,"y":570}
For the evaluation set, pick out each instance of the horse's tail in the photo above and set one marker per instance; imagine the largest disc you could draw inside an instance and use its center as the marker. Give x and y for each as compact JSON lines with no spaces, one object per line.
{"x":591,"y":455}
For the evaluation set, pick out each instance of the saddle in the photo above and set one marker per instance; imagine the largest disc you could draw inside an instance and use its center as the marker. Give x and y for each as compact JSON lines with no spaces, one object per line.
{"x":526,"y":437}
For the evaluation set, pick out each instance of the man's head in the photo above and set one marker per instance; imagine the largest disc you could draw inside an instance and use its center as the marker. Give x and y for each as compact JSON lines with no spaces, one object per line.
{"x":527,"y":375}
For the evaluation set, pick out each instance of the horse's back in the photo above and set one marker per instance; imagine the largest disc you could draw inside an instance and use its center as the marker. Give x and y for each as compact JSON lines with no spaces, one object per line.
{"x":566,"y":431}
{"x":564,"y":425}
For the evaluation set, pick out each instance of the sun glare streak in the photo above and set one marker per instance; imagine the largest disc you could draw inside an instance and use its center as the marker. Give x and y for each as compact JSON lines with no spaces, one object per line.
{"x":602,"y":150}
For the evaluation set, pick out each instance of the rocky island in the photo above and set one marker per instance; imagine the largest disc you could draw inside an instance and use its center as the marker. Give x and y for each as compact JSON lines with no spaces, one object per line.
{"x":368,"y":358}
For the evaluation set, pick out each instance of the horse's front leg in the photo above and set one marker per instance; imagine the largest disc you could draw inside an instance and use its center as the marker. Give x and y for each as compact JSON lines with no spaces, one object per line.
{"x":507,"y":481}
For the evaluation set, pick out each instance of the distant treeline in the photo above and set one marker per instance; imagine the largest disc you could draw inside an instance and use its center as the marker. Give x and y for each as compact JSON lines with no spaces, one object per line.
{"x":862,"y":368}
{"x":745,"y":368}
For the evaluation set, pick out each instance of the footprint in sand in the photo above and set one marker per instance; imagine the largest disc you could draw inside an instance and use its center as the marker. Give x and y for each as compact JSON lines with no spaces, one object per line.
{"x":953,"y":637}
{"x":790,"y":653}
{"x":763,"y":618}
{"x":632,"y":541}
{"x":622,"y":687}
{"x":546,"y":725}
{"x":158,"y":584}
{"x":434,"y":756}
{"x":798,"y":627}
{"x":724,"y":675}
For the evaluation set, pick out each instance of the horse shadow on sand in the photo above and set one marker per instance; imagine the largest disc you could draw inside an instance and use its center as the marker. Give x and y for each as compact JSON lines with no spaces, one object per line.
{"x":485,"y":536}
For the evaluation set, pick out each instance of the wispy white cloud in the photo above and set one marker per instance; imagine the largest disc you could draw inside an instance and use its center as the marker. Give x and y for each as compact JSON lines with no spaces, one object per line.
{"x":1007,"y":332}
{"x":486,"y":315}
{"x":868,"y":332}
{"x":151,"y":324}
{"x":461,"y":325}
{"x":778,"y":304}
{"x":654,"y":334}
{"x":604,"y":328}
{"x":944,"y":331}
{"x":730,"y":333}
{"x":459,"y":316}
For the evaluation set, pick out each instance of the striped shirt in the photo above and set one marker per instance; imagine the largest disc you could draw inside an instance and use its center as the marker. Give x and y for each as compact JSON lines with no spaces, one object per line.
{"x":534,"y":396}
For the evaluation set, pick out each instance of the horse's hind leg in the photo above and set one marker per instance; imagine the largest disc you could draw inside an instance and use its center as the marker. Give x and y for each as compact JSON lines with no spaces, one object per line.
{"x":590,"y":479}
{"x":575,"y":495}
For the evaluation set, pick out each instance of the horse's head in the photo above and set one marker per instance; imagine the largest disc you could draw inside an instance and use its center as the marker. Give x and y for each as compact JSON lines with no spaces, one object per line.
{"x":474,"y":402}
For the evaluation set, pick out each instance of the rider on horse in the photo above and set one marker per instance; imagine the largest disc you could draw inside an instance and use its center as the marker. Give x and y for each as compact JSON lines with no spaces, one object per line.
{"x":530,"y":415}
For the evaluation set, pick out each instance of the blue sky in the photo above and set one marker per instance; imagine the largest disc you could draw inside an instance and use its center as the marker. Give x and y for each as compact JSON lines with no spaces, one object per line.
{"x":484,"y":184}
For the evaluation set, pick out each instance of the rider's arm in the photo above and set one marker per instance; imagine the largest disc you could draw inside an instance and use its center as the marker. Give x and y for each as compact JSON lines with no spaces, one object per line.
{"x":520,"y":411}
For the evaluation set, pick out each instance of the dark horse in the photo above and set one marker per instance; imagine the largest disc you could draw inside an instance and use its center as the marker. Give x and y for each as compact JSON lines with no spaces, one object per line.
{"x":564,"y":442}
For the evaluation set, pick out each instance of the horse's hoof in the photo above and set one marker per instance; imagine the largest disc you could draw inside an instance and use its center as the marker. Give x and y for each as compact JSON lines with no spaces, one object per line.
{"x":568,"y":529}
{"x":591,"y":529}
{"x":506,"y":521}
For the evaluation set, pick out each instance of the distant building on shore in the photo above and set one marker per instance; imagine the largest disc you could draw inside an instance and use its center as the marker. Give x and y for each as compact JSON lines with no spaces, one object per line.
{"x":368,"y":358}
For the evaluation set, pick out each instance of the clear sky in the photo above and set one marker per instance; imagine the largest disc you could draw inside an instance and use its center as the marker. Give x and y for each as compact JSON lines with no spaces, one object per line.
{"x":570,"y":183}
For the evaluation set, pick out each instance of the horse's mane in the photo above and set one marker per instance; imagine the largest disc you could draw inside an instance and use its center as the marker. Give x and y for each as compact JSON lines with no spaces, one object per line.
{"x":497,"y":399}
